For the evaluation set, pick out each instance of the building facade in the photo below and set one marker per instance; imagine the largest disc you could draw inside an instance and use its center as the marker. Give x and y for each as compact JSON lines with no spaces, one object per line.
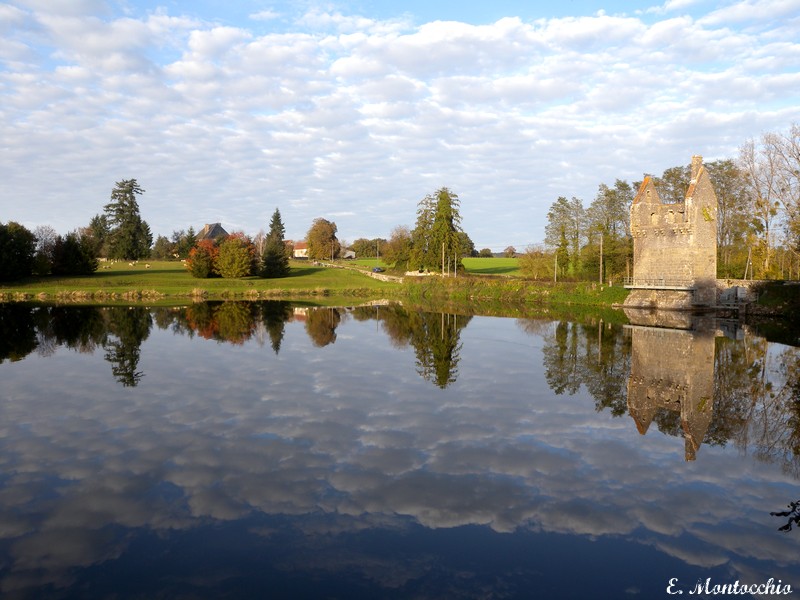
{"x":675,"y":246}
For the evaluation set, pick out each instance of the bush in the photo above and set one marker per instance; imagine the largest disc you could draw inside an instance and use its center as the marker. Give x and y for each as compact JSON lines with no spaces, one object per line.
{"x":202,"y":258}
{"x":235,"y":258}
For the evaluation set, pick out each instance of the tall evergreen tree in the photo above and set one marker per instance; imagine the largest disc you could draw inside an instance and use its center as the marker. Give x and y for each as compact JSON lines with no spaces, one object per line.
{"x":130,"y":236}
{"x":436,"y":239}
{"x":274,"y":260}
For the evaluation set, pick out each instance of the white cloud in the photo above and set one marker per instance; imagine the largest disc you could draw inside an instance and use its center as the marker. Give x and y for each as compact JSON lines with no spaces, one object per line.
{"x":265,"y":15}
{"x":512,"y":111}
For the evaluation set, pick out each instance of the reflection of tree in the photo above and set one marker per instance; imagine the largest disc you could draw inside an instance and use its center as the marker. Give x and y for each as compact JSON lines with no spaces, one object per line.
{"x":200,"y":319}
{"x":595,"y":355}
{"x":17,"y":331}
{"x":321,"y":324}
{"x":607,"y":366}
{"x":756,"y":389}
{"x":561,"y":358}
{"x":437,"y":343}
{"x":793,"y":513}
{"x":80,"y":328}
{"x":435,"y":338}
{"x":235,"y":321}
{"x":274,"y":315}
{"x":773,"y":381}
{"x":128,"y":328}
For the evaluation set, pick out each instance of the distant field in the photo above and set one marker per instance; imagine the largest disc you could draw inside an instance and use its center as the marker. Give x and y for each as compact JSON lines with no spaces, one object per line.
{"x":478,"y":266}
{"x":492,"y":266}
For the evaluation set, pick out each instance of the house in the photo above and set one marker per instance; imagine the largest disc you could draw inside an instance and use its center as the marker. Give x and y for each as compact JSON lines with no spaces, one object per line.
{"x":211,"y":231}
{"x":301,"y":250}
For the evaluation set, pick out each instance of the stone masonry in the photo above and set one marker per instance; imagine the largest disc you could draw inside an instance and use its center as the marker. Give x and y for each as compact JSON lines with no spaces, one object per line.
{"x":675,"y":246}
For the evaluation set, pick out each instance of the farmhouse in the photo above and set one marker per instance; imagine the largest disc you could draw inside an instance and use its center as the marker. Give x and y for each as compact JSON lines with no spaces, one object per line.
{"x":211,"y":231}
{"x":301,"y":250}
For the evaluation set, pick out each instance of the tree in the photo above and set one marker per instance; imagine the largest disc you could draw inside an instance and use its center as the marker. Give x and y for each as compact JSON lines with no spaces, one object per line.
{"x":98,"y":233}
{"x":486,"y":253}
{"x":510,"y":252}
{"x":73,"y":255}
{"x":673,"y":184}
{"x":236,"y":256}
{"x":565,"y":232}
{"x":202,"y":259}
{"x":163,"y":249}
{"x":321,"y":240}
{"x":536,"y":263}
{"x":467,"y":245}
{"x":732,"y":202}
{"x":17,"y":251}
{"x":45,"y":241}
{"x":608,"y":219}
{"x":436,"y":239}
{"x":130,"y":236}
{"x":183,"y":241}
{"x":397,"y":250}
{"x":365,"y":248}
{"x":761,"y":174}
{"x":274,"y":260}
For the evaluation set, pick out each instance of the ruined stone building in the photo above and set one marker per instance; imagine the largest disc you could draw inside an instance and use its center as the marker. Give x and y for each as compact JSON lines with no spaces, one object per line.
{"x":675,"y":246}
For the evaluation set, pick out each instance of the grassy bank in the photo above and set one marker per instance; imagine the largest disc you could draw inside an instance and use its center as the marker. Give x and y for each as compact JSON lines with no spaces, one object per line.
{"x":168,"y":281}
{"x":508,"y":290}
{"x":165,"y":279}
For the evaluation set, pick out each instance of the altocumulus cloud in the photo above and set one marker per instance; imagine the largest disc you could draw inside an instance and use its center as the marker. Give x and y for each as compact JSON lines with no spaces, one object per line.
{"x":355,"y":116}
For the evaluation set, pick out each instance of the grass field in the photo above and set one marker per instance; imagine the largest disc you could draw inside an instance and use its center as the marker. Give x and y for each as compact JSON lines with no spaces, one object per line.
{"x":170,"y":278}
{"x":492,"y":266}
{"x":494,"y":280}
{"x":475,"y":266}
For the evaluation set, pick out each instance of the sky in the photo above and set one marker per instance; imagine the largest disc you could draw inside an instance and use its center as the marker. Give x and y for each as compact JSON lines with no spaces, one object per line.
{"x":354,"y":111}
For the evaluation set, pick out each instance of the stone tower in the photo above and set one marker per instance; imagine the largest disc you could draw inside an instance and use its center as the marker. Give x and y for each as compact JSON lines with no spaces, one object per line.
{"x":675,"y":246}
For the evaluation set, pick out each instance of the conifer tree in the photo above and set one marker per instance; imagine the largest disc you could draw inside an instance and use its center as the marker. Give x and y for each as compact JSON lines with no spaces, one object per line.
{"x":274,"y":260}
{"x":130,"y":237}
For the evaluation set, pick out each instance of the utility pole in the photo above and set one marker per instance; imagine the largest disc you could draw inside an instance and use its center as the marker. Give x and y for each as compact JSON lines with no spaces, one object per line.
{"x":601,"y":258}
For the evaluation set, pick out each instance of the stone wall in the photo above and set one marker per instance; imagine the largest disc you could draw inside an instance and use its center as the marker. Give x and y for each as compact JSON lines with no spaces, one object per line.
{"x":675,"y":245}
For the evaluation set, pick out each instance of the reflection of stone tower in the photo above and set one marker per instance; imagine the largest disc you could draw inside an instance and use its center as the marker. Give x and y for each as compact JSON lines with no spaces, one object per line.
{"x":675,"y":246}
{"x":672,"y":369}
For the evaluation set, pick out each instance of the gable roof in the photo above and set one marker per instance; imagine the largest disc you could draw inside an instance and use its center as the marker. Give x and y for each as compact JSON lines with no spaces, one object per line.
{"x":212,"y":231}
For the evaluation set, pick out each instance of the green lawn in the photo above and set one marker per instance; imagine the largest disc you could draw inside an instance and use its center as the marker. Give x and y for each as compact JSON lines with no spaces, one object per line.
{"x":170,"y":278}
{"x":477,"y":266}
{"x":492,"y":266}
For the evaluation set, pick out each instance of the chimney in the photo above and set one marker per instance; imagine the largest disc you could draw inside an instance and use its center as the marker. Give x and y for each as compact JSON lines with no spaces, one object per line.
{"x":697,"y":162}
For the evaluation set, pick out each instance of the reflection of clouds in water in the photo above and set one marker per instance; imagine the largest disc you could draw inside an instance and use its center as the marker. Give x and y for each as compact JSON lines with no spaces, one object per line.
{"x":219,"y":431}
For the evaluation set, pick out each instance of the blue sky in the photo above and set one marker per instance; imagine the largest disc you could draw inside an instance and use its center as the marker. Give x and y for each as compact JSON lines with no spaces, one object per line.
{"x":354,"y":111}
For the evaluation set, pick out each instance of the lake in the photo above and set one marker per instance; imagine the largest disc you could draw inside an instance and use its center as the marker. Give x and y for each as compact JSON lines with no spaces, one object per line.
{"x":276,"y":450}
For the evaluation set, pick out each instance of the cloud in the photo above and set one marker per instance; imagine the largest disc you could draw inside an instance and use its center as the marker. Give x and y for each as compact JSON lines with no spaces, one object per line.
{"x":244,"y":432}
{"x":329,"y":110}
{"x":265,"y":15}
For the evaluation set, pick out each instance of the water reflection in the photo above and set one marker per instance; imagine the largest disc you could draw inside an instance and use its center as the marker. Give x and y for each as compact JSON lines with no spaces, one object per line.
{"x":672,"y":371}
{"x":397,"y":466}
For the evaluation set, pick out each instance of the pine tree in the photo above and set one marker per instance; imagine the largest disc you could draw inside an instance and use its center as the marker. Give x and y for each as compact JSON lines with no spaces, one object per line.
{"x":436,"y":239}
{"x":274,"y":260}
{"x":130,"y":237}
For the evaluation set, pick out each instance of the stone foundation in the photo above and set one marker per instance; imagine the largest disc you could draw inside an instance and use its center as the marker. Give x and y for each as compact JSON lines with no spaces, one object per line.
{"x":663,"y":299}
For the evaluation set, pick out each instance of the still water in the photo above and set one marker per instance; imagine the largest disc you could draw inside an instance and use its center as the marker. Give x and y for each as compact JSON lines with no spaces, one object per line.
{"x":271,"y":450}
